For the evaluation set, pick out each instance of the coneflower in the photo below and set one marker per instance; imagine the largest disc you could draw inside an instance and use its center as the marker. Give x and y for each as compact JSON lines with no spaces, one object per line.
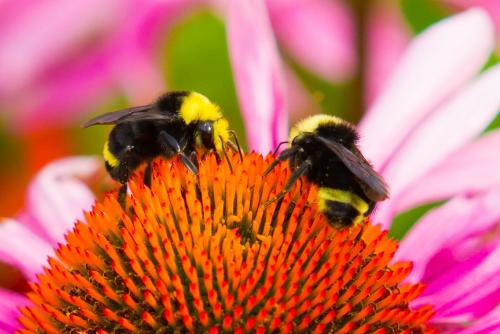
{"x":202,"y":253}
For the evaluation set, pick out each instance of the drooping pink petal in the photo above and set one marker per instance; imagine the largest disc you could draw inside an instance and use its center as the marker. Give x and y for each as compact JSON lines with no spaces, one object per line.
{"x":447,"y":129}
{"x":257,"y":71}
{"x":387,"y":37}
{"x":58,"y":196}
{"x":436,"y":63}
{"x":446,"y":228}
{"x":472,"y":169}
{"x":319,"y":34}
{"x":9,"y":301}
{"x":22,"y":248}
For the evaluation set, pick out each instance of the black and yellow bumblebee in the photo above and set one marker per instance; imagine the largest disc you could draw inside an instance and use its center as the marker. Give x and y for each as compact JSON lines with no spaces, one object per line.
{"x":324,"y":149}
{"x":179,"y":123}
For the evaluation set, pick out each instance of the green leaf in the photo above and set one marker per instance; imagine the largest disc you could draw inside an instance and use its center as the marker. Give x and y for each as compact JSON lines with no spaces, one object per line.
{"x":404,"y":221}
{"x":422,"y":13}
{"x":334,"y":99}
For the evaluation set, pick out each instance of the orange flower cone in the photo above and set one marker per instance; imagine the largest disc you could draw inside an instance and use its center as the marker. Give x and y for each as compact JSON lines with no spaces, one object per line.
{"x":202,"y":253}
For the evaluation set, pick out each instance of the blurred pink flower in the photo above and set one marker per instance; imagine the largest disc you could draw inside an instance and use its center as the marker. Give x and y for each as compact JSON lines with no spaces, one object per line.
{"x":319,"y":34}
{"x":59,"y":58}
{"x":88,"y":50}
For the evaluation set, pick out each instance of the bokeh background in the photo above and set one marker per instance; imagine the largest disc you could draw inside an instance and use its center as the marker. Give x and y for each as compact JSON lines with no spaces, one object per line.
{"x":63,"y":62}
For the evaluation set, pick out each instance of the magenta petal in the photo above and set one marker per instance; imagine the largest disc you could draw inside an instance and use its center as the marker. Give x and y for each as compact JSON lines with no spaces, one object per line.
{"x":57,"y":196}
{"x":319,"y":34}
{"x":257,"y":71}
{"x":447,"y":129}
{"x":436,"y":63}
{"x":22,"y":248}
{"x":472,"y":169}
{"x":446,"y":228}
{"x":9,"y":301}
{"x":472,"y":295}
{"x":488,"y":324}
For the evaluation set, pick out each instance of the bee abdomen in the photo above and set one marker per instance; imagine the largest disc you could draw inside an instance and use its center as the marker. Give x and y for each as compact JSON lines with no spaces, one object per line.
{"x":342,"y":207}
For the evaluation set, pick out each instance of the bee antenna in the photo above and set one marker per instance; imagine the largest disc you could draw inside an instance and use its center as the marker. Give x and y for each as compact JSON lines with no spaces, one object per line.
{"x":279,"y":145}
{"x":225,"y":154}
{"x":237,"y":146}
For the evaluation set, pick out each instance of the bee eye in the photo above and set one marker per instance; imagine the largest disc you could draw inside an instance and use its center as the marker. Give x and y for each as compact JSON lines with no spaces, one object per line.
{"x":206,"y":130}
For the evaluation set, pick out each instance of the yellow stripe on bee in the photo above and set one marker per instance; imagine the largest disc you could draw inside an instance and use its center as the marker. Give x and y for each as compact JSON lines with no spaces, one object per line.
{"x":310,"y":124}
{"x":342,"y":196}
{"x":197,"y":107}
{"x":108,"y":156}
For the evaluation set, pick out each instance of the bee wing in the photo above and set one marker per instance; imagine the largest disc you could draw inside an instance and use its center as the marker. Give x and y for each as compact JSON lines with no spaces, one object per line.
{"x":372,"y":183}
{"x":140,"y":113}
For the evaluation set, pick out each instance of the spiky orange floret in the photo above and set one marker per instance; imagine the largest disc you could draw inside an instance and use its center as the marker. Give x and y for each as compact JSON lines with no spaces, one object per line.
{"x":202,"y":253}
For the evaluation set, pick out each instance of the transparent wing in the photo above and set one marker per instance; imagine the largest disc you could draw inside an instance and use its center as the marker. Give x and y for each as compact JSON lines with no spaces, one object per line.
{"x":144,"y":113}
{"x":372,"y":183}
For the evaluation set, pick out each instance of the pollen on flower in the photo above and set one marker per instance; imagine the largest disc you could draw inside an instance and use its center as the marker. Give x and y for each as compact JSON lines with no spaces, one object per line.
{"x":202,"y":253}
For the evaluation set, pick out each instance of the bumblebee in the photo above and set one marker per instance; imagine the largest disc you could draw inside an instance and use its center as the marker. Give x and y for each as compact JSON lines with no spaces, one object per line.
{"x":324,"y":149}
{"x":178,"y":123}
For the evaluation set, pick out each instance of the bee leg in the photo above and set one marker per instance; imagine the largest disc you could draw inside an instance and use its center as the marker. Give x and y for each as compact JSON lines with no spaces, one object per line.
{"x":236,"y":145}
{"x":122,"y":195}
{"x":124,"y":174}
{"x":297,"y":173}
{"x":283,"y":156}
{"x":225,"y":155}
{"x":172,"y":143}
{"x":147,"y":174}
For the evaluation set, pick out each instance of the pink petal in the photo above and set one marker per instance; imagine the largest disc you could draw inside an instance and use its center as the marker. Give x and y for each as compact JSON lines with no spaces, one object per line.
{"x":387,"y":38}
{"x":257,"y":71}
{"x":143,"y":81}
{"x":488,"y":324}
{"x":66,"y":88}
{"x":436,"y":63}
{"x":27,"y":49}
{"x":58,"y":196}
{"x":22,"y":248}
{"x":472,"y":169}
{"x":319,"y":34}
{"x":446,"y":227}
{"x":443,"y":132}
{"x":471,"y":296}
{"x":9,"y":301}
{"x":491,"y":6}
